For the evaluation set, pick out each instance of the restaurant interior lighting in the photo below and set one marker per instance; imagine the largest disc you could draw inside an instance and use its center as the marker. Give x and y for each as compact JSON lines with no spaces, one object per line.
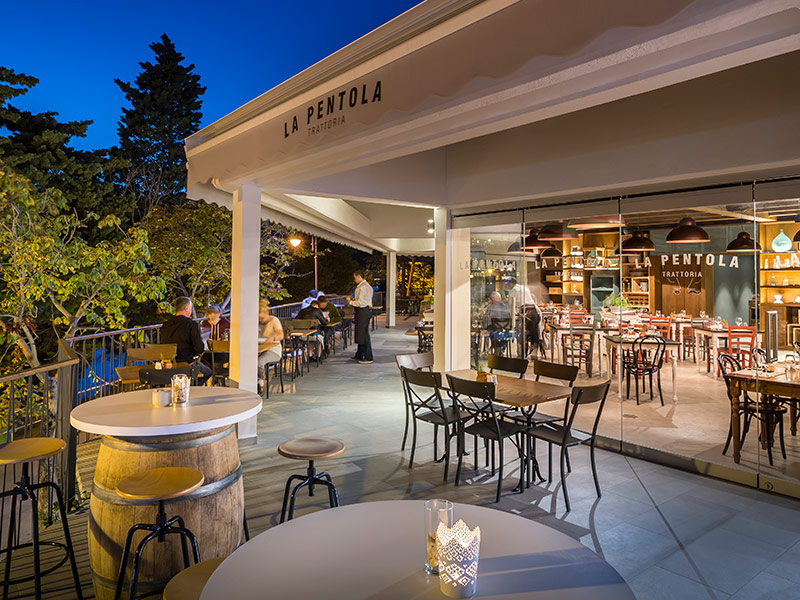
{"x":638,"y":243}
{"x":552,"y":252}
{"x":557,"y":232}
{"x":514,"y":248}
{"x":687,"y":232}
{"x":605,"y":222}
{"x":744,"y":243}
{"x":532,"y":242}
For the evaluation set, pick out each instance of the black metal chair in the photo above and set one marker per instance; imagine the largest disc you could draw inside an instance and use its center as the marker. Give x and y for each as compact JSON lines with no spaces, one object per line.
{"x":220,"y":357}
{"x":645,"y":359}
{"x":424,"y":339}
{"x":474,"y":400}
{"x":518,"y":366}
{"x":565,"y":436}
{"x":426,"y":403}
{"x":417,"y":362}
{"x":501,"y":334}
{"x":154,"y":378}
{"x":769,"y":413}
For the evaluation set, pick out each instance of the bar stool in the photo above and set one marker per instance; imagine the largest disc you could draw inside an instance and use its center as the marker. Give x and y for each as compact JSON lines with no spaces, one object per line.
{"x":309,"y":449}
{"x":156,"y":486}
{"x":189,"y":583}
{"x":25,"y":451}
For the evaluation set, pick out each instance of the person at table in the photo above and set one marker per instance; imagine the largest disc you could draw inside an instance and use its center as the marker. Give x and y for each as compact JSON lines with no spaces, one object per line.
{"x":215,"y":326}
{"x":312,"y":295}
{"x":526,"y":303}
{"x":270,"y":331}
{"x":497,"y":321}
{"x":520,"y":294}
{"x":362,"y":304}
{"x":181,"y":330}
{"x":334,"y":317}
{"x":313,"y":311}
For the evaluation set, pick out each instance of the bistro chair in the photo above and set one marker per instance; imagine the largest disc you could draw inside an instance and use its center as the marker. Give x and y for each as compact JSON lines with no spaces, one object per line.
{"x":518,"y":366}
{"x":346,"y":327}
{"x":565,"y":436}
{"x":501,"y":334}
{"x":576,"y":316}
{"x":155,"y":378}
{"x":164,"y":350}
{"x":475,"y":401}
{"x":152,"y":353}
{"x":645,"y":359}
{"x":220,"y":357}
{"x":424,"y":339}
{"x":416,"y":362}
{"x":423,"y":390}
{"x":577,"y":347}
{"x":768,"y":412}
{"x":741,"y":342}
{"x":689,"y":341}
{"x":663,"y":325}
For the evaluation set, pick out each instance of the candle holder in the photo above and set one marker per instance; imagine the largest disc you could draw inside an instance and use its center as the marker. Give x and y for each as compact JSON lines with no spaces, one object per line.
{"x":436,"y":513}
{"x":180,"y":390}
{"x":458,"y":549}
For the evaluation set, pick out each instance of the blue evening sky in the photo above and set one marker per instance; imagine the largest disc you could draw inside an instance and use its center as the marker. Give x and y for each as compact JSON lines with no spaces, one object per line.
{"x":240,"y":49}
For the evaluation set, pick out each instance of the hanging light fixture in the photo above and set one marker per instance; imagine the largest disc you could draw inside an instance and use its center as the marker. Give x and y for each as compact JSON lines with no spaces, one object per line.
{"x":796,"y":237}
{"x":552,"y":252}
{"x":534,"y":242}
{"x":514,"y":248}
{"x":743,"y":243}
{"x":637,"y":243}
{"x":687,"y":232}
{"x":557,"y":232}
{"x":606,"y":222}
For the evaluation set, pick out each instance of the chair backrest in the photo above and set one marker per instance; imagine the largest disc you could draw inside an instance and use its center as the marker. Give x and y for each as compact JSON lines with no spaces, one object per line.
{"x":424,"y":339}
{"x":663,"y":324}
{"x":542,"y":368}
{"x":428,"y":379}
{"x":476,"y":399}
{"x":500,"y":323}
{"x":164,"y":350}
{"x":648,"y":351}
{"x":423,"y":360}
{"x":796,"y":347}
{"x":145,"y":355}
{"x":728,"y":364}
{"x":301,"y":324}
{"x":585,"y":395}
{"x":163,"y":377}
{"x":759,"y":357}
{"x":510,"y":365}
{"x":219,"y":345}
{"x":741,"y":339}
{"x":576,"y":316}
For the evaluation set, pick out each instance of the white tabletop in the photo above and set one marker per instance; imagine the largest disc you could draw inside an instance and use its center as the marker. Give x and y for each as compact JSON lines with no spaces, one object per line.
{"x":132,"y":414}
{"x":377,"y":550}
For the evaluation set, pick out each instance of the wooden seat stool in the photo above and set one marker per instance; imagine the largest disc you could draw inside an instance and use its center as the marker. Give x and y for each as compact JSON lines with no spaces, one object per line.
{"x":24,"y":452}
{"x":156,"y":486}
{"x":189,"y":583}
{"x":309,"y":449}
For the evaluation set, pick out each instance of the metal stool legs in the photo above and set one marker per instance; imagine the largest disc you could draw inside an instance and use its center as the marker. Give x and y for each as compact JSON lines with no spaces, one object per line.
{"x":309,"y":480}
{"x":24,"y":490}
{"x":159,"y":531}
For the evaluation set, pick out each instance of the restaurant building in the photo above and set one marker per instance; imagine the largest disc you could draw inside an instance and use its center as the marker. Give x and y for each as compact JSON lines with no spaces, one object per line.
{"x":625,"y":158}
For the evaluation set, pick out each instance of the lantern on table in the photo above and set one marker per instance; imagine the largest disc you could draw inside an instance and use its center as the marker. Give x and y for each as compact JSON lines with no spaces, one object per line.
{"x":458,"y":548}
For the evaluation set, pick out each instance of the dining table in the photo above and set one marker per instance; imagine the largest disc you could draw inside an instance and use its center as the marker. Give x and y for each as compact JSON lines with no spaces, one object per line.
{"x":615,"y":344}
{"x":778,"y":383}
{"x":556,"y":331}
{"x":717,"y":338}
{"x":136,"y":436}
{"x":377,"y":550}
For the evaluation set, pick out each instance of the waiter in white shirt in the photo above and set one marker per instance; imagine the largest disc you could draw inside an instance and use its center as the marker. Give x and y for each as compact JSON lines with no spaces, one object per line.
{"x":362,"y":303}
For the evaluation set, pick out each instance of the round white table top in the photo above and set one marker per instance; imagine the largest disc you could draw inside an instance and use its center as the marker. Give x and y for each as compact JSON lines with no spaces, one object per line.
{"x":132,"y":414}
{"x":376,"y":550}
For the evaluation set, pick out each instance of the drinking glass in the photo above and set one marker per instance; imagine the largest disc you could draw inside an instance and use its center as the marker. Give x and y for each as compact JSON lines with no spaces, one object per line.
{"x":180,"y":390}
{"x":436,"y":511}
{"x":739,"y":321}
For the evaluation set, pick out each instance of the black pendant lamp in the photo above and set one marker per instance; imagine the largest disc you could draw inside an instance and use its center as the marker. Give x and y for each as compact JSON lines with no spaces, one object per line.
{"x":745,"y":243}
{"x":534,"y":242}
{"x":514,"y":249}
{"x":796,"y":237}
{"x":552,"y":252}
{"x":687,"y":232}
{"x":637,"y":243}
{"x":557,"y":232}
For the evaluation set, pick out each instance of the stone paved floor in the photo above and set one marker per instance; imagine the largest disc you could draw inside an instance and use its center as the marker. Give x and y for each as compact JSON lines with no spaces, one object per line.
{"x":670,"y":534}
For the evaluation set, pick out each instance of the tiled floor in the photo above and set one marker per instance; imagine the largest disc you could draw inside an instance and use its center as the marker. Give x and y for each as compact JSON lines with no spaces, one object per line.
{"x":670,"y":534}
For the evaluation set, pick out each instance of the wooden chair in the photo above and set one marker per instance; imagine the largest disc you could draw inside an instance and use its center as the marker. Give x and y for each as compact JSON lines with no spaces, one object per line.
{"x":164,"y":350}
{"x":475,"y":401}
{"x":416,"y":362}
{"x":220,"y":357}
{"x":577,"y":348}
{"x":741,"y":342}
{"x":148,"y":355}
{"x":576,"y":316}
{"x":517,"y":366}
{"x":565,"y":436}
{"x":663,"y":325}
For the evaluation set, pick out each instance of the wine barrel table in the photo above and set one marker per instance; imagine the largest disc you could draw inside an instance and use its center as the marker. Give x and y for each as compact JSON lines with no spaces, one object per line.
{"x":138,"y":436}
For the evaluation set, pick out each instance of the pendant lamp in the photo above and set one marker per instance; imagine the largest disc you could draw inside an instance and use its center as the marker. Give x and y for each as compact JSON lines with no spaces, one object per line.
{"x":744,"y":243}
{"x":533,"y":242}
{"x":796,"y":237}
{"x":514,"y":248}
{"x":552,"y":252}
{"x":606,"y":222}
{"x":637,"y":243}
{"x":557,"y":232}
{"x":687,"y":232}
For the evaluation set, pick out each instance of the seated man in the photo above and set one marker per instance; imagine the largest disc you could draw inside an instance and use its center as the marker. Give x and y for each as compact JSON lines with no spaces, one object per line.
{"x":181,"y":330}
{"x":497,"y":321}
{"x":215,"y":326}
{"x":313,"y":312}
{"x":332,"y":313}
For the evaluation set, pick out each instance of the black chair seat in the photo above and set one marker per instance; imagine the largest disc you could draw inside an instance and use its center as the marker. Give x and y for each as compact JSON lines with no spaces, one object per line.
{"x":555,"y":434}
{"x":436,"y":417}
{"x":487,"y":429}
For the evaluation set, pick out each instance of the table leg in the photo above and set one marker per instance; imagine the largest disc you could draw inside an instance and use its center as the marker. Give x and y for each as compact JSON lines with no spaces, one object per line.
{"x":675,"y":376}
{"x":600,"y":344}
{"x":715,"y":344}
{"x":697,"y":344}
{"x":793,"y":418}
{"x":735,"y":433}
{"x":617,"y":351}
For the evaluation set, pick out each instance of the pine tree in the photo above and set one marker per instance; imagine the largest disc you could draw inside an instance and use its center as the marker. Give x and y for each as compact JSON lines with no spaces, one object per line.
{"x":165,"y":108}
{"x":36,"y":145}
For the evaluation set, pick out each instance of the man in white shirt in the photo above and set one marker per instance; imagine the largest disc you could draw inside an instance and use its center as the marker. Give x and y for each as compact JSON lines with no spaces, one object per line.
{"x":362,"y":303}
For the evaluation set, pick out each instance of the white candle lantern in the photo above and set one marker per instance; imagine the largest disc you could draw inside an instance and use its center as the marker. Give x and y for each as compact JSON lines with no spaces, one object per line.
{"x":458,"y":549}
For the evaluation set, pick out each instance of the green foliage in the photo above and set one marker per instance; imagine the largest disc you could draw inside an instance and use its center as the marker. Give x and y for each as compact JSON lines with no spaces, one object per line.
{"x":36,"y":146}
{"x":277,"y":258}
{"x":46,"y":268}
{"x":164,"y":110}
{"x":615,"y":299}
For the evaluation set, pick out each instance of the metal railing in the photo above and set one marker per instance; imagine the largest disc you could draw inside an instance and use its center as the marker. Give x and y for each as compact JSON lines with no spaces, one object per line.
{"x":37,"y":403}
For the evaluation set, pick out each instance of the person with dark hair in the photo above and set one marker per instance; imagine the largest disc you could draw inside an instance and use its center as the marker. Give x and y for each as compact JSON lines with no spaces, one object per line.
{"x":362,"y":303}
{"x":181,"y":330}
{"x":333,"y":315}
{"x":312,"y":295}
{"x":215,"y":326}
{"x":313,"y":311}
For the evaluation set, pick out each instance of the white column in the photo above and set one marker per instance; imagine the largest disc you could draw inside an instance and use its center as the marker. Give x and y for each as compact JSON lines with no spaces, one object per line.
{"x":451,"y":301}
{"x":245,"y":261}
{"x":391,"y":288}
